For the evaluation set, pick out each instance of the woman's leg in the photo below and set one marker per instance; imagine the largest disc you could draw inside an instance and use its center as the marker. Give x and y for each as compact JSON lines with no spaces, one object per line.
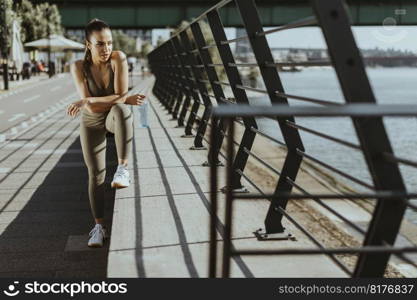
{"x":93,"y":143}
{"x":120,"y":122}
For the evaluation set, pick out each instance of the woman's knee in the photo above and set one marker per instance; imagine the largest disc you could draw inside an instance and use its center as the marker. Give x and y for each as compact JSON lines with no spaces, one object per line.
{"x":97,"y":177}
{"x":121,"y":111}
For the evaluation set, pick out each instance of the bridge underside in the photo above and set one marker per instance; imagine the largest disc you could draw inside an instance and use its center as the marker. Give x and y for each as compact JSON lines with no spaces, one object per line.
{"x":141,"y":14}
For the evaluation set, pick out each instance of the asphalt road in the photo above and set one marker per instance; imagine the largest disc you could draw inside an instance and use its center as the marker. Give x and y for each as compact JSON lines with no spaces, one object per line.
{"x":34,"y":98}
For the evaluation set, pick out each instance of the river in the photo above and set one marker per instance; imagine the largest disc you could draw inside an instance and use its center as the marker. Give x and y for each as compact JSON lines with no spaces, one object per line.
{"x":390,"y":86}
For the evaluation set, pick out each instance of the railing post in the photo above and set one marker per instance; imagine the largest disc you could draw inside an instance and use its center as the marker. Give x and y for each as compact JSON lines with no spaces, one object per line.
{"x":172,"y":82}
{"x":232,"y":73}
{"x":180,"y":76}
{"x":176,"y":93}
{"x":163,"y":77}
{"x":212,"y":158}
{"x":263,"y":56}
{"x":192,"y":62}
{"x":189,"y":86}
{"x":388,"y":213}
{"x":230,"y":171}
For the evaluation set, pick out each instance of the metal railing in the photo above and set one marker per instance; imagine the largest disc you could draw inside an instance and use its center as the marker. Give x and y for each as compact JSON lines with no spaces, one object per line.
{"x":185,"y":72}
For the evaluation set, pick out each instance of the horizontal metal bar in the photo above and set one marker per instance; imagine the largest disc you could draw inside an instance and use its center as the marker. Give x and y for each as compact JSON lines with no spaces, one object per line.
{"x":393,"y":158}
{"x":330,"y":209}
{"x":320,"y":63}
{"x":359,"y":110}
{"x":261,"y":161}
{"x":307,"y":99}
{"x":243,"y":87}
{"x":392,"y":195}
{"x":215,"y":65}
{"x":241,"y":38}
{"x":329,"y":167}
{"x":226,"y":100}
{"x":243,"y":65}
{"x":203,"y":81}
{"x":221,"y":83}
{"x":364,"y":249}
{"x":253,"y":129}
{"x":323,"y":135}
{"x":208,"y":46}
{"x":295,"y":24}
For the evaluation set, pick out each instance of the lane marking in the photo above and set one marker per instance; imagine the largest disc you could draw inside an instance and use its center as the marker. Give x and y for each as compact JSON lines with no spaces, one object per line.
{"x":5,"y":170}
{"x":16,"y":116}
{"x":31,"y":98}
{"x":58,"y":151}
{"x":55,"y":88}
{"x":21,"y":144}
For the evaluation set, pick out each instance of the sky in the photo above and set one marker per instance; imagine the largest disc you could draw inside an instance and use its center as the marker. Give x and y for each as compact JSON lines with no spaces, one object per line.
{"x":397,"y":37}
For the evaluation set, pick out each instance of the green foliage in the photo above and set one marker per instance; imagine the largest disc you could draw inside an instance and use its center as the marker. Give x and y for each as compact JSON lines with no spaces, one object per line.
{"x":124,"y":43}
{"x":35,"y":20}
{"x":146,"y":48}
{"x":7,"y":15}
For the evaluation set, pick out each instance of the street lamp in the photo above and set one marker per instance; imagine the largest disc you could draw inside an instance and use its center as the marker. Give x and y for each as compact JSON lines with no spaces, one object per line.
{"x":49,"y":42}
{"x":4,"y":42}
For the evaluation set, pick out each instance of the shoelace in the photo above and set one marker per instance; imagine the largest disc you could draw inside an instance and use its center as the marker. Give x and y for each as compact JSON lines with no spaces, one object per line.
{"x":120,"y":172}
{"x":96,"y":230}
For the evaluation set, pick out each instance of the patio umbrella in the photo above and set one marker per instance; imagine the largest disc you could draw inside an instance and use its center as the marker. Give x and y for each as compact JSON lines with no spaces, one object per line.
{"x":56,"y":42}
{"x":16,"y":50}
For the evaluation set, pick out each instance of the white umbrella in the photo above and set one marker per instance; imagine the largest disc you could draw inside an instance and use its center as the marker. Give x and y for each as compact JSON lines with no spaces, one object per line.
{"x":56,"y":42}
{"x":16,"y":50}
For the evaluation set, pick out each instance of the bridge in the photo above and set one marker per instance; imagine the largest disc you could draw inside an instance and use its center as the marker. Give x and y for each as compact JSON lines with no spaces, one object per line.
{"x":140,"y":14}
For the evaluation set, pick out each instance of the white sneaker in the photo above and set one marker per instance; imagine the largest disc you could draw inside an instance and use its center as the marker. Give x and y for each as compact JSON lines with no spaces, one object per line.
{"x":121,"y":178}
{"x":98,"y":235}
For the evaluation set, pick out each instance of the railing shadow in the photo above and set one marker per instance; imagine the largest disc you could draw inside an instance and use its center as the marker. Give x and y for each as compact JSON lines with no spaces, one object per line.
{"x":45,"y":229}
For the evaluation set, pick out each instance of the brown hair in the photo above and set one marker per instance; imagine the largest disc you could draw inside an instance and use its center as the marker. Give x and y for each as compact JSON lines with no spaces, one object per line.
{"x":93,"y":25}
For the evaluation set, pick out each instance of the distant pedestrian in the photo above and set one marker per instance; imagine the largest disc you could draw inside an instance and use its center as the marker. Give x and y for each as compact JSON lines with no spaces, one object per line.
{"x":102,"y":83}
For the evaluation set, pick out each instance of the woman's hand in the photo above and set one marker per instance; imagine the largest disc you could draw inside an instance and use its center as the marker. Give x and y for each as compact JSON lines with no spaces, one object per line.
{"x":74,"y":108}
{"x":136,"y":99}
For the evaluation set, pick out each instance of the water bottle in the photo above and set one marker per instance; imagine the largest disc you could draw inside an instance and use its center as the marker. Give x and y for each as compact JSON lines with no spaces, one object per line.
{"x":143,"y":115}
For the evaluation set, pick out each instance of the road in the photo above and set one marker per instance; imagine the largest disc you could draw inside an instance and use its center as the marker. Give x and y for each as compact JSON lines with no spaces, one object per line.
{"x":33,"y":99}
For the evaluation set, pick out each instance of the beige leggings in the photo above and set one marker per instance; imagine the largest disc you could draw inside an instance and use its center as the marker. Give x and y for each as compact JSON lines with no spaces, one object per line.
{"x":93,"y":130}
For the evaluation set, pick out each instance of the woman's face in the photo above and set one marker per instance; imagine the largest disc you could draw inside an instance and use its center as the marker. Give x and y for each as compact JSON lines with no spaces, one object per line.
{"x":101,"y":44}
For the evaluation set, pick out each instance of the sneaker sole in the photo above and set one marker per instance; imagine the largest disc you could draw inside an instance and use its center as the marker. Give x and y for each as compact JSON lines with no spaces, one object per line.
{"x":118,"y":185}
{"x":98,"y":245}
{"x":95,"y":246}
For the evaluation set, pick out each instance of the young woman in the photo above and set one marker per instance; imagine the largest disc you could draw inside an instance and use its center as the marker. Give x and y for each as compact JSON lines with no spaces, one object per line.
{"x":102,"y":83}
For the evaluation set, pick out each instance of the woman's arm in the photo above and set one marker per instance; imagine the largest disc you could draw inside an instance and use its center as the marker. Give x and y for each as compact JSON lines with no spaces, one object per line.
{"x":78,"y":76}
{"x":111,"y":99}
{"x":81,"y":85}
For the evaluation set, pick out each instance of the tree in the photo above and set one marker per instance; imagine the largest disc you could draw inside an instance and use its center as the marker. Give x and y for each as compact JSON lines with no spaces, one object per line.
{"x":35,"y":20}
{"x":160,"y":41}
{"x":8,"y":16}
{"x":25,"y":10}
{"x":124,"y":43}
{"x":146,"y":49}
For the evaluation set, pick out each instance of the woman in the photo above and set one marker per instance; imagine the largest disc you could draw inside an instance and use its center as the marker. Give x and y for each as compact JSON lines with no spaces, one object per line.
{"x":102,"y":83}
